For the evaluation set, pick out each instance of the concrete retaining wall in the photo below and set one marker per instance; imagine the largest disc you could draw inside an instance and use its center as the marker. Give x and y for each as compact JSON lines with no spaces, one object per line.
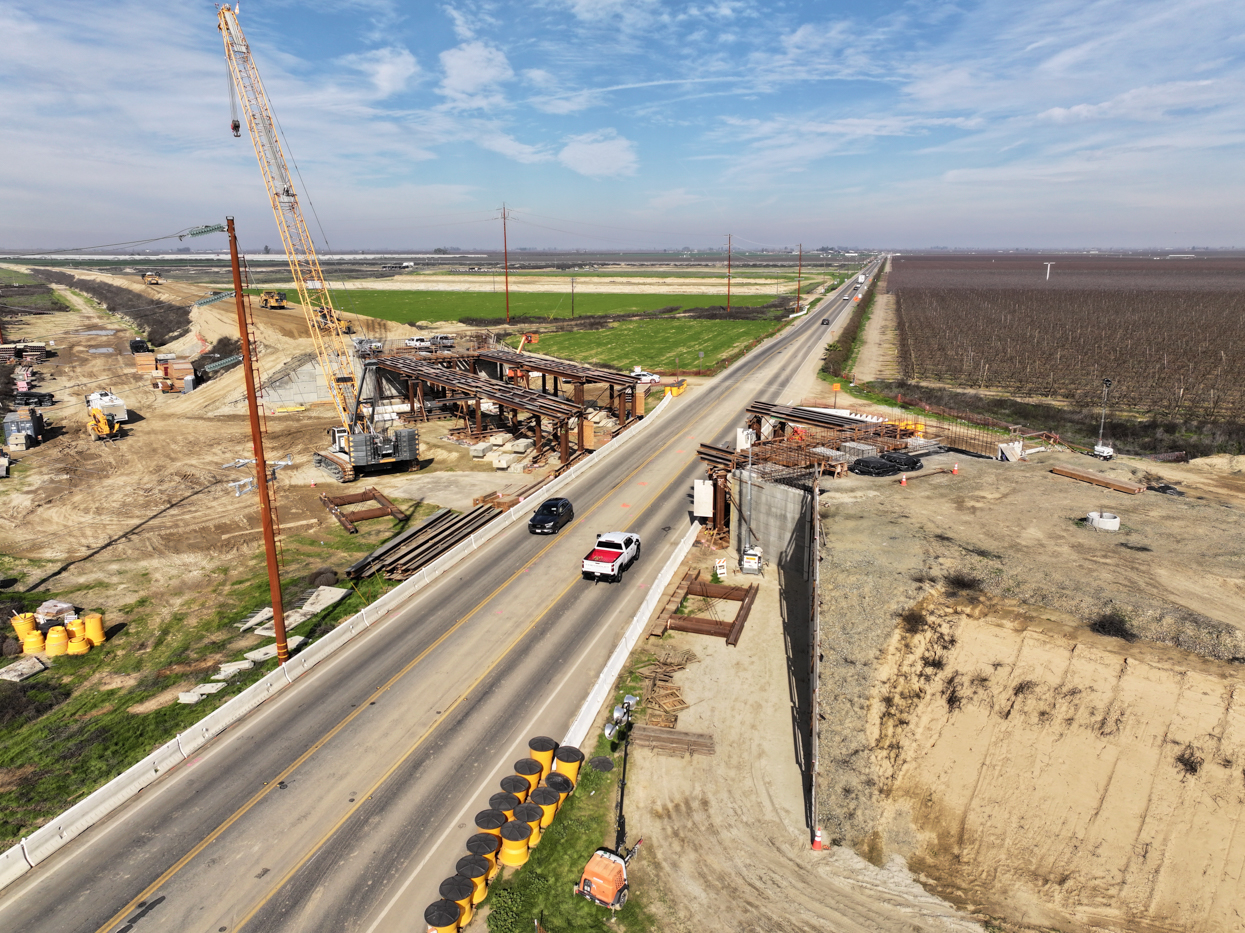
{"x":779,"y":520}
{"x":45,"y":841}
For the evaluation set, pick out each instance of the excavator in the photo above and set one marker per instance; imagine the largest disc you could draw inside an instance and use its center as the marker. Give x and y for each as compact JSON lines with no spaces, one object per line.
{"x":358,"y":445}
{"x":103,"y":427}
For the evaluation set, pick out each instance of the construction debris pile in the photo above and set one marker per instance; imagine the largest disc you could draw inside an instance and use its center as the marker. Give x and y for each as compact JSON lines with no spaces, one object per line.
{"x":660,"y":695}
{"x":55,"y":629}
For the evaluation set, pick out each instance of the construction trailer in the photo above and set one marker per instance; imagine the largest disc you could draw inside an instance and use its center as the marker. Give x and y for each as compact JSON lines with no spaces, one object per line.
{"x":23,"y":429}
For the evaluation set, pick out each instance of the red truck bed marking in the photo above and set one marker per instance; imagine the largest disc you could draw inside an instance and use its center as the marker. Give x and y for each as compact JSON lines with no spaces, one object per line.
{"x":604,"y":555}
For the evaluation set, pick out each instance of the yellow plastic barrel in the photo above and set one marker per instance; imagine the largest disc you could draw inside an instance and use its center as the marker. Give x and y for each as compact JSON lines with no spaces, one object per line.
{"x":567,"y":760}
{"x":530,"y":814}
{"x":486,"y":845}
{"x":491,"y":821}
{"x":519,"y":786}
{"x":548,"y":800}
{"x":78,"y":645}
{"x":459,"y":890}
{"x":94,"y":628}
{"x":33,"y":643}
{"x":561,"y":785}
{"x":442,"y":917}
{"x":542,"y":748}
{"x":76,"y":628}
{"x":23,"y":624}
{"x":505,"y":803}
{"x":475,"y":868}
{"x":514,"y":848}
{"x":530,"y":769}
{"x":57,"y":641}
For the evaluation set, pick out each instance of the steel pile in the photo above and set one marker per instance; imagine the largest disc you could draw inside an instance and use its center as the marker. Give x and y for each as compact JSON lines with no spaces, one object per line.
{"x":404,"y":555}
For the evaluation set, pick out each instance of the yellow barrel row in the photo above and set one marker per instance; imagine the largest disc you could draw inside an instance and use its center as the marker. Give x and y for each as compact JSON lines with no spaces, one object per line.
{"x":75,"y":637}
{"x":508,"y":830}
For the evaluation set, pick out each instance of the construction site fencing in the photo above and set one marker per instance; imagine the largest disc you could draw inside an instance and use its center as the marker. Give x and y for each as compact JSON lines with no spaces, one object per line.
{"x":45,"y":841}
{"x":814,"y":654}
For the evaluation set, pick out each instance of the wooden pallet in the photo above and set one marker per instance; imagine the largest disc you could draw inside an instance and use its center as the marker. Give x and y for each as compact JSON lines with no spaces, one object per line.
{"x":671,"y":741}
{"x":1098,"y":479}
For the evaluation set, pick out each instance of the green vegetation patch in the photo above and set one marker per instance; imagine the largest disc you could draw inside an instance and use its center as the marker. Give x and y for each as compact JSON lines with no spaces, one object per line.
{"x":411,"y":306}
{"x":657,"y":345}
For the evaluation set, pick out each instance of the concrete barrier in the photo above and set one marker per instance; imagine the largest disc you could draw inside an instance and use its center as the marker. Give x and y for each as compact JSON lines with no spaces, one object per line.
{"x":600,"y":691}
{"x":45,"y":841}
{"x":13,"y":865}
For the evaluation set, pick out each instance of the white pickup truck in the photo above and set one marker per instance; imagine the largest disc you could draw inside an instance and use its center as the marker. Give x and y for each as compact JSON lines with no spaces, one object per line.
{"x":614,"y":552}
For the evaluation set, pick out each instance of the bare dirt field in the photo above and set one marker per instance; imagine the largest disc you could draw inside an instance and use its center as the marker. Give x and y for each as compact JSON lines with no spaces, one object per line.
{"x":1040,"y":718}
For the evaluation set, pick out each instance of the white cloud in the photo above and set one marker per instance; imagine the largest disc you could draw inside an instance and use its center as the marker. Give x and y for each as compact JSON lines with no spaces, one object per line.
{"x":599,"y":154}
{"x":1143,"y":103}
{"x":389,"y":69}
{"x":674,"y":198}
{"x":473,"y":73}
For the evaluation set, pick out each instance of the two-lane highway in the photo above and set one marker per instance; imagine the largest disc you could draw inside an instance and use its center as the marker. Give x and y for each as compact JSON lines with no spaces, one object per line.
{"x":344,"y":801}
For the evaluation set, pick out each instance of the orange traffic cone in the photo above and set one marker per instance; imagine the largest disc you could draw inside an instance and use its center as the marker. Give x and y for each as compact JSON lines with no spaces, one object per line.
{"x":903,"y":479}
{"x":817,"y":840}
{"x":956,"y":469}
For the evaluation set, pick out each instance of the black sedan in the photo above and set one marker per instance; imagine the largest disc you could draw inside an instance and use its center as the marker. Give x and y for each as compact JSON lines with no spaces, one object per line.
{"x":873,"y":466}
{"x":551,"y":516}
{"x":906,"y":462}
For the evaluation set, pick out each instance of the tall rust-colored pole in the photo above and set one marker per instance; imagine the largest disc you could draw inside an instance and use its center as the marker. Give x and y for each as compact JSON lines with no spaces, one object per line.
{"x":505,"y":246}
{"x":257,"y":444}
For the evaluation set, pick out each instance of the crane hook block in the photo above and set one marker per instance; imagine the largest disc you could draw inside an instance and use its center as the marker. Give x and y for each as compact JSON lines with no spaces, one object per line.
{"x":236,"y":126}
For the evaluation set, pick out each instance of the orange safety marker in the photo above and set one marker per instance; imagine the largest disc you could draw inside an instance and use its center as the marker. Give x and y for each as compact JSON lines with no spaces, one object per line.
{"x":956,"y":469}
{"x":903,"y":479}
{"x":817,"y":840}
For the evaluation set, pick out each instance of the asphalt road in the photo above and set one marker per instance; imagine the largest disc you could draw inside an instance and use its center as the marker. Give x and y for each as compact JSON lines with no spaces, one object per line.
{"x":342,"y":803}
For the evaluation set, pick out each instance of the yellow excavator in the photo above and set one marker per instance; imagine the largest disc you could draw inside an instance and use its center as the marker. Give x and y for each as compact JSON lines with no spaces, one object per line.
{"x":103,"y":427}
{"x":272,"y":300}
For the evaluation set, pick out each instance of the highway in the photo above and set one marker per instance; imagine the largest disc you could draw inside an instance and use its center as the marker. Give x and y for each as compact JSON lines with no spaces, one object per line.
{"x":343,"y":802}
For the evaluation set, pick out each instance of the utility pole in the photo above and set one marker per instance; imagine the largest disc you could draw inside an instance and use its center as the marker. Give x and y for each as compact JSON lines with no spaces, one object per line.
{"x":505,"y":246}
{"x":246,"y":332}
{"x":799,"y":278}
{"x":1048,"y":265}
{"x":572,"y":296}
{"x":728,"y":275}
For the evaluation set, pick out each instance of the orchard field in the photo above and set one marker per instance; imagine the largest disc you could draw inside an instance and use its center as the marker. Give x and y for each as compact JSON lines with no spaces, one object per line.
{"x":1168,"y":332}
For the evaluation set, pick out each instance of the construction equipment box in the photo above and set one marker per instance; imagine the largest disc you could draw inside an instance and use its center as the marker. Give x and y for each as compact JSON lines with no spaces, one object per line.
{"x":23,"y":429}
{"x":144,"y":363}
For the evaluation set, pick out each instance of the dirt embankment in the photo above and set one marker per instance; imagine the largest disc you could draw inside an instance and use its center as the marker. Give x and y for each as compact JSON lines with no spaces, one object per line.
{"x":1042,"y":719}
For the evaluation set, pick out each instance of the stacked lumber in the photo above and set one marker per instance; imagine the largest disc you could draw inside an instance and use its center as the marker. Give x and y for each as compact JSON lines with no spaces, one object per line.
{"x":405,"y":554}
{"x":671,"y":741}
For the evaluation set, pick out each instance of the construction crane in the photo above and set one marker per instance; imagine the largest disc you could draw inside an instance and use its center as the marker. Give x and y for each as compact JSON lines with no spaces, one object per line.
{"x":357,"y":446}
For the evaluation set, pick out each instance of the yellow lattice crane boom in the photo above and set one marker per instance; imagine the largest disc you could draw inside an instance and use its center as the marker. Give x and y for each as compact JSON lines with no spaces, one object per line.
{"x":313,"y":294}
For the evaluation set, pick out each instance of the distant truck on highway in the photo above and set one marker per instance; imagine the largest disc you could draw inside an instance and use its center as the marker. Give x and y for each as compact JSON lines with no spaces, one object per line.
{"x":860,"y":280}
{"x":613,"y":553}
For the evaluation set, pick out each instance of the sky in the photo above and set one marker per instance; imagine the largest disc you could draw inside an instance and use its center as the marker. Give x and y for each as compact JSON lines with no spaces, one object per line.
{"x":625,"y":124}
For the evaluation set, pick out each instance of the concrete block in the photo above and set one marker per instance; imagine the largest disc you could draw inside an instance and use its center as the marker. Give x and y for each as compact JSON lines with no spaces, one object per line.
{"x":516,"y":468}
{"x":20,"y":670}
{"x":208,"y":689}
{"x":190,"y":698}
{"x":255,"y":619}
{"x":480,"y":451}
{"x":508,"y":447}
{"x":497,"y":440}
{"x":268,"y":652}
{"x":230,"y":668}
{"x":503,"y":461}
{"x":524,"y":445}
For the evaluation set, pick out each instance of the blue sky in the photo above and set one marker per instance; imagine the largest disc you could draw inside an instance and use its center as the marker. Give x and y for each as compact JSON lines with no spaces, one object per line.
{"x":635,"y":123}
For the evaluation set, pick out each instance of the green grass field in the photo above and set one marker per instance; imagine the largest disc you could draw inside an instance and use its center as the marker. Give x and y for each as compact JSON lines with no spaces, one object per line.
{"x":659,"y":345}
{"x":404,"y":306}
